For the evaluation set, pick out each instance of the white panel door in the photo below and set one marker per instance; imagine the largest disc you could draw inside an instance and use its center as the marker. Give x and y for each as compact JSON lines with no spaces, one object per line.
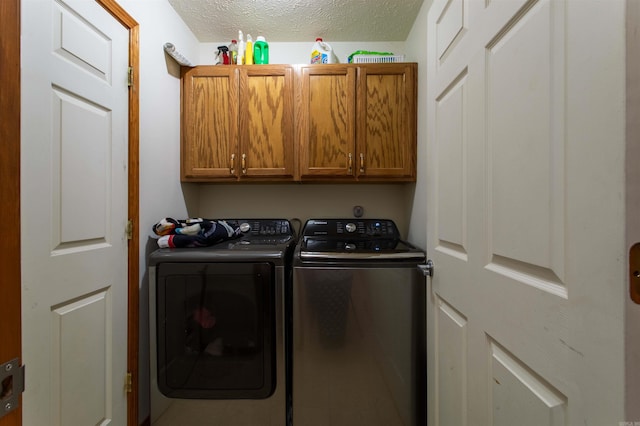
{"x":74,"y":213}
{"x":525,"y":213}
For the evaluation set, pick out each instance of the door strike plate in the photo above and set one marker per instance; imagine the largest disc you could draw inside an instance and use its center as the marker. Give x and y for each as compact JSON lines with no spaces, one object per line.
{"x":11,"y":386}
{"x":634,"y":273}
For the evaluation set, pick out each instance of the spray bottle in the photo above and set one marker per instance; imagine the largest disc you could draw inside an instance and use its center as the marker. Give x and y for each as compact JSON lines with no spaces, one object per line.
{"x":224,"y":52}
{"x":248,"y":52}
{"x":240,"y":48}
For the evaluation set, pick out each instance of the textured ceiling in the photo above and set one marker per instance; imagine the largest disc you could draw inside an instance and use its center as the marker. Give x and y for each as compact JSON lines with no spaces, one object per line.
{"x":299,"y":20}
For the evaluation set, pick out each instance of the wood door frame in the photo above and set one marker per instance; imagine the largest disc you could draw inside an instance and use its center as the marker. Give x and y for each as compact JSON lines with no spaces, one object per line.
{"x":133,"y":205}
{"x":10,"y":259}
{"x":10,"y":287}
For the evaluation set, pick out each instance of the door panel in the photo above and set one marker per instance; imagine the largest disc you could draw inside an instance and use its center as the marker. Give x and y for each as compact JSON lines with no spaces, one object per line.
{"x":80,"y":351}
{"x":74,"y":198}
{"x":519,"y":393}
{"x":74,"y":118}
{"x":451,"y":361}
{"x":525,"y":146}
{"x":452,"y":183}
{"x":524,"y":328}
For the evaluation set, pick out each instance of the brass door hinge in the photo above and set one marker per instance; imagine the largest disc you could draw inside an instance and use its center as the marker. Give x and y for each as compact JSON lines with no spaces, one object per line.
{"x":129,"y":229}
{"x":130,"y":77}
{"x":128,"y":384}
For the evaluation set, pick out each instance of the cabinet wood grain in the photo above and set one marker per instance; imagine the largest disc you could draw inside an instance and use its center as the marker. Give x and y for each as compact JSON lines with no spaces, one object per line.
{"x":326,"y":122}
{"x":387,"y":121}
{"x":209,"y":124}
{"x":266,"y":122}
{"x":323,"y":123}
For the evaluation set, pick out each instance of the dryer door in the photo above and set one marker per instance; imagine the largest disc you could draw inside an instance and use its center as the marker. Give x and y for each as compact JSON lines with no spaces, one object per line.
{"x":215,"y":330}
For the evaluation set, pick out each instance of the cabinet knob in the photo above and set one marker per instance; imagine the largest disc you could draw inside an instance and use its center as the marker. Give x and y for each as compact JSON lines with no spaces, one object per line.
{"x":361,"y":162}
{"x":350,"y":163}
{"x":244,"y":164}
{"x":232,"y":169}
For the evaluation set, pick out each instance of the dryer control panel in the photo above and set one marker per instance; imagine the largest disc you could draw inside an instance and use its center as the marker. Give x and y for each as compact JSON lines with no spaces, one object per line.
{"x":265,"y":232}
{"x":351,"y":229}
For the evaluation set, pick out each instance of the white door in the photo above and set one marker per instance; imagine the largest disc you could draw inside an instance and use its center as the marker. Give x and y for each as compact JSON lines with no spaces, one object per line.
{"x":526,"y":212}
{"x":74,"y":213}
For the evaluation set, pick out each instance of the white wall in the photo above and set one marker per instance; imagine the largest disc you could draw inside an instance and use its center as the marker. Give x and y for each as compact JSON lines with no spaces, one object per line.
{"x":416,"y":47}
{"x":304,"y":201}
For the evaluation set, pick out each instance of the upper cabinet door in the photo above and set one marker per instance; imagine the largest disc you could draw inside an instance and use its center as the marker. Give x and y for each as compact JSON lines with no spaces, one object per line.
{"x":210,"y":124}
{"x":386,"y":117}
{"x":326,"y":123}
{"x":266,"y":122}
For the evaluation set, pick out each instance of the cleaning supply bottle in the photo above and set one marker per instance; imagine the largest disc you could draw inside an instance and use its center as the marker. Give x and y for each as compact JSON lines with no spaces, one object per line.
{"x":261,"y":51}
{"x":322,"y":53}
{"x":240,"y":48}
{"x":233,"y":52}
{"x":224,"y":51}
{"x":248,"y":52}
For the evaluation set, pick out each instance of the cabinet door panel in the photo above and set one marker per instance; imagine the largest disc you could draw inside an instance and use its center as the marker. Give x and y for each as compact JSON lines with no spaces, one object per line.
{"x":209,"y":123}
{"x":386,"y":121}
{"x":266,"y":122}
{"x":327,"y":121}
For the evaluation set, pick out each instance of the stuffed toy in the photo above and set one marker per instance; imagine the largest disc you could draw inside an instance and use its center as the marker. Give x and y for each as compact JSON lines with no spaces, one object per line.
{"x":193,"y":232}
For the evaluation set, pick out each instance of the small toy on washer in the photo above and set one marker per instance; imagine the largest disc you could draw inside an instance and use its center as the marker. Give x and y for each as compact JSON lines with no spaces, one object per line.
{"x":193,"y":232}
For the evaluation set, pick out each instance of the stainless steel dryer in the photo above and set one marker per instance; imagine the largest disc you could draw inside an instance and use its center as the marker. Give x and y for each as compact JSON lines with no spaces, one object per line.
{"x":358,"y":347}
{"x":217,"y":322}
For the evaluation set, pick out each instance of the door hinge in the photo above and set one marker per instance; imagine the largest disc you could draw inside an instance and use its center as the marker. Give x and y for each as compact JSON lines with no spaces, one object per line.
{"x":128,"y":383}
{"x":130,"y":77}
{"x":129,"y":229}
{"x":11,"y":385}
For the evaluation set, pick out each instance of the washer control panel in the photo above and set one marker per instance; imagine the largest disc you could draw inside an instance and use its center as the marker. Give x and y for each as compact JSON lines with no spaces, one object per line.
{"x":351,"y":228}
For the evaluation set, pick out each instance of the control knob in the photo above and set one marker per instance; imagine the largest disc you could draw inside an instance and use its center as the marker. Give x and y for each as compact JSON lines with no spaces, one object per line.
{"x":350,"y":227}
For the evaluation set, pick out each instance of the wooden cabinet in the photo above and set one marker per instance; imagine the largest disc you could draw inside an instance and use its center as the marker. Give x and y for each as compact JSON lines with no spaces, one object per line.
{"x":386,"y":137}
{"x":327,"y":125}
{"x":358,"y":122}
{"x":332,"y":123}
{"x":237,"y":123}
{"x":209,"y":124}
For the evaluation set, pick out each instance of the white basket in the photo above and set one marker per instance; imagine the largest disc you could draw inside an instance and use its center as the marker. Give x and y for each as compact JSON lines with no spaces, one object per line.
{"x":366,"y":59}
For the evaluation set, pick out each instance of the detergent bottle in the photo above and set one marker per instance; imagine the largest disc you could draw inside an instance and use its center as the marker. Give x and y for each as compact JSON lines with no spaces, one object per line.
{"x":248,"y":52}
{"x":322,"y":53}
{"x":261,"y":51}
{"x":233,"y":52}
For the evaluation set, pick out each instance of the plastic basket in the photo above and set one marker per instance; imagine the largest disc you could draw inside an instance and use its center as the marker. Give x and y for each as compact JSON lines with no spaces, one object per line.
{"x":366,"y":59}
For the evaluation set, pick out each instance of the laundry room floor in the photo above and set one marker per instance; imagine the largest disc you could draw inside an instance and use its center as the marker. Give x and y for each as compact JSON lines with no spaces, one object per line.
{"x":193,"y":412}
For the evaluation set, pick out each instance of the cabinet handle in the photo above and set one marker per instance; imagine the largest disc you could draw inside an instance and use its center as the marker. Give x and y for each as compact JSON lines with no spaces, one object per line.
{"x":244,"y":164}
{"x":361,"y":162}
{"x":350,"y":163}
{"x":232,"y":165}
